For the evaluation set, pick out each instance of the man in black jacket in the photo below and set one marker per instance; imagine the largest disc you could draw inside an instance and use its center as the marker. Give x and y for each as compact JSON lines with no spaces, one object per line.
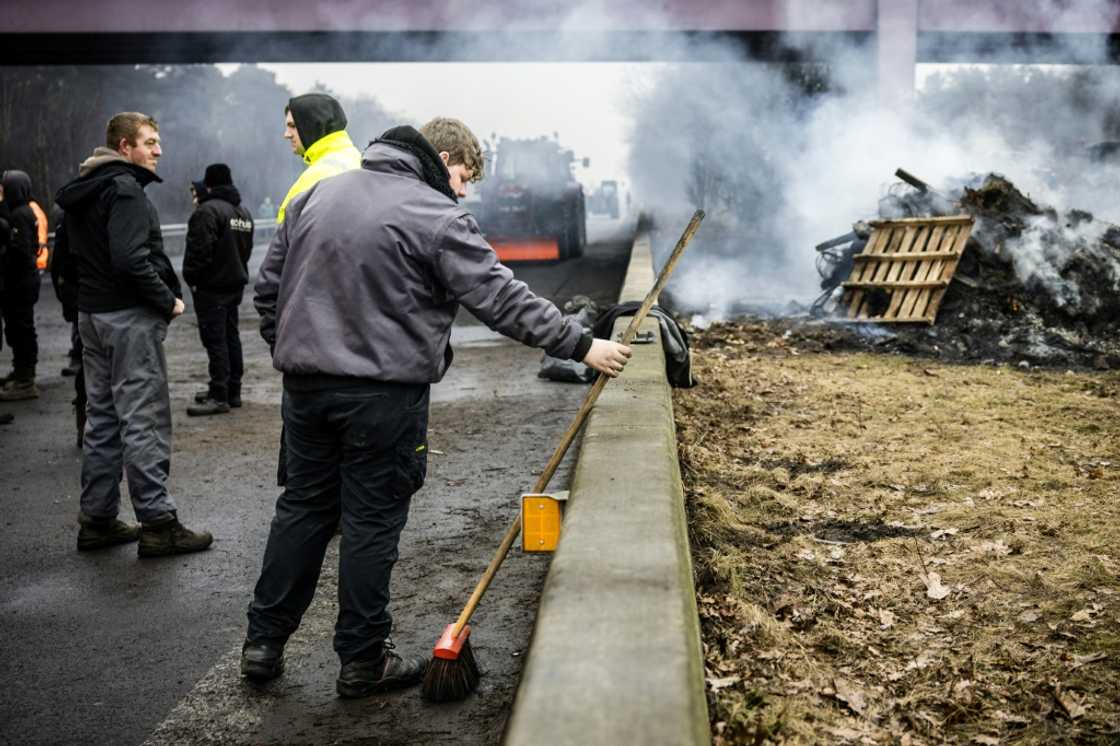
{"x":127,"y":295}
{"x":64,"y":277}
{"x":357,"y":296}
{"x":216,"y":268}
{"x":21,"y":288}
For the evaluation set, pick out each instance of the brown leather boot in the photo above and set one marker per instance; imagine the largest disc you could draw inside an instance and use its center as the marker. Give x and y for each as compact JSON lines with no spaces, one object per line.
{"x":165,"y":536}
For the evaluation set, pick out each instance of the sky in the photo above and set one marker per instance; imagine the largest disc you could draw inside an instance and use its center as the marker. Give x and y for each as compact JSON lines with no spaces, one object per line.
{"x":583,"y":102}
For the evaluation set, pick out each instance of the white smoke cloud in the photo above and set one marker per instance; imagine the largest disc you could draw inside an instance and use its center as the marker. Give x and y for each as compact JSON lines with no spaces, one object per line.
{"x":815,"y":165}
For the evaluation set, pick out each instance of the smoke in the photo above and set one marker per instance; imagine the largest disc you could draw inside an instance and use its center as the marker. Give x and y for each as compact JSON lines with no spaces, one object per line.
{"x":781,"y":157}
{"x":785,"y":157}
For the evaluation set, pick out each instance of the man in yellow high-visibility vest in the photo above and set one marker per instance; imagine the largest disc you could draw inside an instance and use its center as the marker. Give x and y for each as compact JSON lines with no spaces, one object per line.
{"x":315,"y":125}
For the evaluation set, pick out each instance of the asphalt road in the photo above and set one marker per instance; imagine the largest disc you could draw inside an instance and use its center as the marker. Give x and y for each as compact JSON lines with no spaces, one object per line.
{"x":101,"y":648}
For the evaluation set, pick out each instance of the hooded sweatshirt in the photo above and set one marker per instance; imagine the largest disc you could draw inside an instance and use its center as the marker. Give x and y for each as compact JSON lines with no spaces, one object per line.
{"x":219,"y":242}
{"x":23,"y":244}
{"x":113,"y":229}
{"x":328,"y":151}
{"x":366,"y":278}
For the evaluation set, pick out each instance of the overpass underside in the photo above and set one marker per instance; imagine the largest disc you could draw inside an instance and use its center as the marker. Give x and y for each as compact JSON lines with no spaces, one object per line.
{"x":188,"y":47}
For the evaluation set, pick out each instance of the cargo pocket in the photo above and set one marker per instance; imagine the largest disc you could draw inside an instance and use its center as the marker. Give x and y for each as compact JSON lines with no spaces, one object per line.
{"x":412,"y":466}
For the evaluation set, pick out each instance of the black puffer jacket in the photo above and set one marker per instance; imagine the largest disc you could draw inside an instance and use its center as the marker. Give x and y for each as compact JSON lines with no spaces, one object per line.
{"x":23,"y":243}
{"x":114,"y":231}
{"x":219,"y":242}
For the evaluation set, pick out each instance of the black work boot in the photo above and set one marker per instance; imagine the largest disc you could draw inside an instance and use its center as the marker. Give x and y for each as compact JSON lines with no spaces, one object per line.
{"x":208,"y":407}
{"x":362,"y":677}
{"x":262,"y":661}
{"x":98,"y":533}
{"x":165,"y":535}
{"x":235,"y":395}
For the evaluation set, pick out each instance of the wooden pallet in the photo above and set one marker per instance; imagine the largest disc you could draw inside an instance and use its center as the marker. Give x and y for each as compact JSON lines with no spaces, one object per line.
{"x":901,"y":275}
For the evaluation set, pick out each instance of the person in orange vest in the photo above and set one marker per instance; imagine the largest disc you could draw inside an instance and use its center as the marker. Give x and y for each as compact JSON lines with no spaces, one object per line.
{"x":43,"y":251}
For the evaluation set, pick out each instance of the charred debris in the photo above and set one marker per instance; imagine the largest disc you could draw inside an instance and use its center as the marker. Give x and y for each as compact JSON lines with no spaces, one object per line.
{"x":1034,"y":286}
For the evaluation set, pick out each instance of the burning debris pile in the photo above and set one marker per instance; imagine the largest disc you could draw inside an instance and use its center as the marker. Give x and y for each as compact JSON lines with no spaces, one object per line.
{"x":1034,"y":285}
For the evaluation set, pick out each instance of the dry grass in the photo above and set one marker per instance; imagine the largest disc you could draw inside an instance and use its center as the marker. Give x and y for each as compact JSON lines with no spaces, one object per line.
{"x":892,"y":550}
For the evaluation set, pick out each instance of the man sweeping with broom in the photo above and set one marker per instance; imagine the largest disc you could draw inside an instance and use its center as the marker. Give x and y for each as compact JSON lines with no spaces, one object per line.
{"x":357,"y":296}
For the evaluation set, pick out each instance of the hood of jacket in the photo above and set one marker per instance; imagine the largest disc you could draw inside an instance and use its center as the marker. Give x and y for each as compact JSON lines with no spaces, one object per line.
{"x":425,"y":161}
{"x":316,"y":115}
{"x":101,"y":156}
{"x":17,"y":188}
{"x":103,"y":167}
{"x":224,"y":192}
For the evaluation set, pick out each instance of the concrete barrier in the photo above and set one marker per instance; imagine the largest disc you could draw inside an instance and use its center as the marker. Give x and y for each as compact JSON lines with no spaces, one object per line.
{"x":615,"y":655}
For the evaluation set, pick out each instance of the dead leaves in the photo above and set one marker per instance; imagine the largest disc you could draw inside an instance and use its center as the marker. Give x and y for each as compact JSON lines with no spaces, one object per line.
{"x":723,"y":682}
{"x":1072,"y":705}
{"x":1082,"y":660}
{"x":961,"y":590}
{"x":848,"y":695}
{"x":934,"y":588}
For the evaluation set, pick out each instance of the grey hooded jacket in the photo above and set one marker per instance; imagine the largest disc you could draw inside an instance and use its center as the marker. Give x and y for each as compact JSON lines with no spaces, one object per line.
{"x":365,"y":276}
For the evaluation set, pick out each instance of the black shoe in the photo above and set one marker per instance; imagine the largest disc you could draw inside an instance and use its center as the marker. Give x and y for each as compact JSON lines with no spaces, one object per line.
{"x":72,"y":369}
{"x":166,"y":536}
{"x":262,"y":661}
{"x":6,"y":418}
{"x":95,"y":534}
{"x":363,"y":677}
{"x":201,"y":396}
{"x":235,"y":401}
{"x":208,"y":407}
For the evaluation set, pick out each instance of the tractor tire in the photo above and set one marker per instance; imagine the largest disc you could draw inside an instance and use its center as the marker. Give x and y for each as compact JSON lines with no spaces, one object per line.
{"x":575,"y":232}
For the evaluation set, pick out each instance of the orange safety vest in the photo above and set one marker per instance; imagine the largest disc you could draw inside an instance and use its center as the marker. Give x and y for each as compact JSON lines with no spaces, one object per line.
{"x":44,"y":252}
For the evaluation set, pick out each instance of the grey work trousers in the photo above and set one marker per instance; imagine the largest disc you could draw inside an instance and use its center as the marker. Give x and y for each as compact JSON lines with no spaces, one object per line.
{"x":128,"y":413}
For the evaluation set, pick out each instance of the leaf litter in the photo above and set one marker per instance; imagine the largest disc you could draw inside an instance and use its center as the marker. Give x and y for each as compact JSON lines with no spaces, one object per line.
{"x":890,"y":550}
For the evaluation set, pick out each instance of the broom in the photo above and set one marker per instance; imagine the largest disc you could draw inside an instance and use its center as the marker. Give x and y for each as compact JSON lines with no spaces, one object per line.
{"x":453,"y":671}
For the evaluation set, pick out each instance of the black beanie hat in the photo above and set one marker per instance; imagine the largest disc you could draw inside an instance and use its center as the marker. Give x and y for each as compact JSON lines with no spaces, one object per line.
{"x":217,"y":174}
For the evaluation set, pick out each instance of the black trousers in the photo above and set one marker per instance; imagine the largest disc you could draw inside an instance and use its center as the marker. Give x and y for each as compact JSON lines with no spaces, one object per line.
{"x":355,"y":453}
{"x":17,"y":306}
{"x":217,"y":327}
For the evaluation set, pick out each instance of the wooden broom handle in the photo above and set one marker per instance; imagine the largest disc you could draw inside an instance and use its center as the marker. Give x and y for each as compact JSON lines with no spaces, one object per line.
{"x":577,"y":423}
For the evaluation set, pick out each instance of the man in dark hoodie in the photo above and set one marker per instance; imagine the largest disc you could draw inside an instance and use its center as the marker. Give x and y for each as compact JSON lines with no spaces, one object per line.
{"x":127,"y":295}
{"x":216,"y":268}
{"x":21,"y":288}
{"x":357,"y":296}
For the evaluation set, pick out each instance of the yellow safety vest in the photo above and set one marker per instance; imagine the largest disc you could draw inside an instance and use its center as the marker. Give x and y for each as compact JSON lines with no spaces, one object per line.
{"x":327,"y":156}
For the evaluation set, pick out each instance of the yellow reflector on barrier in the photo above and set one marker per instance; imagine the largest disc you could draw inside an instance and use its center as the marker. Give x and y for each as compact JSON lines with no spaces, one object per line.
{"x":541,"y":517}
